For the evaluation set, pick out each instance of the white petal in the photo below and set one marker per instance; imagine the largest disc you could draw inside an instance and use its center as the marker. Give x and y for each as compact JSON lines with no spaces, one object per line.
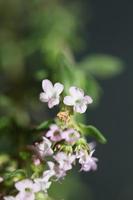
{"x":72,"y":158}
{"x":68,"y":100}
{"x":47,"y":86}
{"x":80,"y":108}
{"x":36,"y":187}
{"x":47,"y":141}
{"x":88,"y":99}
{"x":51,"y":165}
{"x":25,"y":196}
{"x":53,"y":102}
{"x":92,"y":145}
{"x":75,"y":92}
{"x":44,"y":97}
{"x":58,"y":88}
{"x":21,"y":185}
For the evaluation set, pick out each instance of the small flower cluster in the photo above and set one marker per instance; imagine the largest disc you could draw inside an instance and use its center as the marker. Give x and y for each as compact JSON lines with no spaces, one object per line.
{"x":77,"y":99}
{"x":62,"y":145}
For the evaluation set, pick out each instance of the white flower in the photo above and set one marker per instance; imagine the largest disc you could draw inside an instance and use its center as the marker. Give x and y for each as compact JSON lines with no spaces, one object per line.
{"x":48,"y":174}
{"x":77,"y":100}
{"x":65,"y":160}
{"x":70,"y":135}
{"x":56,"y":170}
{"x":51,"y":93}
{"x":27,"y":189}
{"x":54,"y":133}
{"x":42,"y":184}
{"x":44,"y":147}
{"x":87,"y":161}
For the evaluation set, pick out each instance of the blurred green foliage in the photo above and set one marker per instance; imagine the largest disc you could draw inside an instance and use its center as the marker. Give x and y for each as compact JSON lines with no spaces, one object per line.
{"x":40,"y":39}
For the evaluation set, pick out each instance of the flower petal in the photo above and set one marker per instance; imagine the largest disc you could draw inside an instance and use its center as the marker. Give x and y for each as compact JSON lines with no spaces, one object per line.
{"x":76,"y":93}
{"x":21,"y":185}
{"x":25,"y":196}
{"x":35,"y":187}
{"x":80,"y":108}
{"x":44,"y":97}
{"x":58,"y":88}
{"x":47,"y":86}
{"x":68,"y":100}
{"x":88,"y":99}
{"x":53,"y":102}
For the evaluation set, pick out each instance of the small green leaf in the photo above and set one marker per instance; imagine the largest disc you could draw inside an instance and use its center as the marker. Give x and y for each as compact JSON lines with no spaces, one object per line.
{"x":17,"y":173}
{"x":89,"y":130}
{"x":103,"y":66}
{"x":24,"y":155}
{"x":44,"y":125}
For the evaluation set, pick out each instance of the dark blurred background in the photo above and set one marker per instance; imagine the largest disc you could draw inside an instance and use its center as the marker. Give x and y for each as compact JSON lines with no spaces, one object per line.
{"x":111,"y":32}
{"x":32,"y":42}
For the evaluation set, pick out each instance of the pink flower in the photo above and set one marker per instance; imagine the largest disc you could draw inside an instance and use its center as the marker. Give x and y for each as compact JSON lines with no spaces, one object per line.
{"x":70,"y":135}
{"x":77,"y":100}
{"x":27,"y":189}
{"x":48,"y":174}
{"x":44,"y":147}
{"x":42,"y":184}
{"x":65,"y":161}
{"x":54,"y":133}
{"x":36,"y":160}
{"x":51,"y":93}
{"x":87,"y":161}
{"x":56,"y":170}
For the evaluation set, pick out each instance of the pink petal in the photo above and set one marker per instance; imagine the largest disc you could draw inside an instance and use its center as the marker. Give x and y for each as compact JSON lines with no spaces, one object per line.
{"x":47,"y":86}
{"x":54,"y":127}
{"x":51,"y":165}
{"x":35,"y":187}
{"x":44,"y":97}
{"x":21,"y":185}
{"x":88,"y":99}
{"x":49,"y":133}
{"x":58,"y":87}
{"x":76,"y":93}
{"x":53,"y":102}
{"x":80,"y":108}
{"x":68,"y":100}
{"x":25,"y":196}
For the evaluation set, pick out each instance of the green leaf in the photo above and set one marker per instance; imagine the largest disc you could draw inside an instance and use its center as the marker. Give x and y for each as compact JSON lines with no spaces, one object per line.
{"x":24,"y":155}
{"x":17,"y":173}
{"x":44,"y":125}
{"x":4,"y":122}
{"x":103,"y":66}
{"x":92,"y":131}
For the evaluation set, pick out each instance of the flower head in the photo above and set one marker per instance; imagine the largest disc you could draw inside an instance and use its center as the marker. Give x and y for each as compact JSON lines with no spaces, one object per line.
{"x":77,"y":100}
{"x":57,"y":171}
{"x":87,"y":161}
{"x":70,"y":135}
{"x":54,"y":133}
{"x":27,"y":189}
{"x":65,"y":161}
{"x":44,"y":147}
{"x":51,"y":93}
{"x":42,"y":184}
